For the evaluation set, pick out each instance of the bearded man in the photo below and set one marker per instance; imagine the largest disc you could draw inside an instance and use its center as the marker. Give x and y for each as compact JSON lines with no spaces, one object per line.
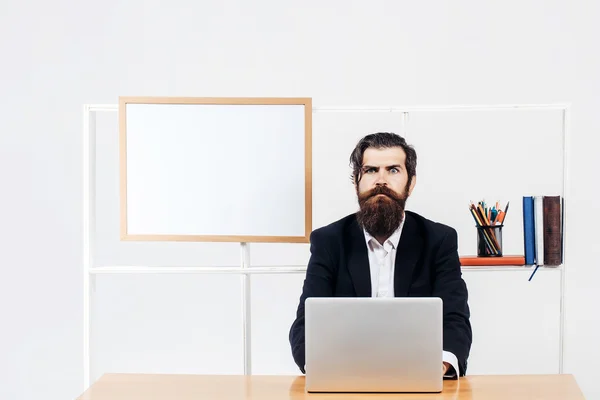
{"x":384,"y":251}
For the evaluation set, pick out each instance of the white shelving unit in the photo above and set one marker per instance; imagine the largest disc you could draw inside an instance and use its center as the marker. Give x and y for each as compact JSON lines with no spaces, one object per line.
{"x":244,"y":270}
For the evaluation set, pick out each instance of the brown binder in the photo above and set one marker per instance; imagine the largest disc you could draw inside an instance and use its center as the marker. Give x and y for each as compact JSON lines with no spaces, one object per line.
{"x":552,"y":231}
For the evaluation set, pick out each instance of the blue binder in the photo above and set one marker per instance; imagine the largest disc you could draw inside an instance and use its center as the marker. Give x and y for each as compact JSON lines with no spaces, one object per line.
{"x":529,"y":230}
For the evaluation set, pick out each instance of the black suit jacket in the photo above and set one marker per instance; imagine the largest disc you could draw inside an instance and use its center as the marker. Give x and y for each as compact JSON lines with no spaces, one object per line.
{"x":427,"y":264}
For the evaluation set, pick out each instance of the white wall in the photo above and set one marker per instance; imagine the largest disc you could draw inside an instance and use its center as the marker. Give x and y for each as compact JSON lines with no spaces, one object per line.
{"x":57,"y":56}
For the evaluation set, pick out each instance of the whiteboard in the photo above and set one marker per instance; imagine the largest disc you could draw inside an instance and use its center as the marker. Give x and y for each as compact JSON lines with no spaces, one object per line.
{"x":215,"y":169}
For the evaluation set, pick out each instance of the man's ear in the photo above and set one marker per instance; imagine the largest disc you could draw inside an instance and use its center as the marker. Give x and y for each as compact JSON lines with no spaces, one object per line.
{"x":413,"y":182}
{"x":355,"y":180}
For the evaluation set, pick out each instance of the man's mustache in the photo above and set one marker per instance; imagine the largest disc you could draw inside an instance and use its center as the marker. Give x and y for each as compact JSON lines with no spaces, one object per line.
{"x":381,"y":189}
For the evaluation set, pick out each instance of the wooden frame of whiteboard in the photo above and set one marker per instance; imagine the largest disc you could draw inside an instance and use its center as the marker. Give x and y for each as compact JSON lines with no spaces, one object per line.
{"x":306,"y":102}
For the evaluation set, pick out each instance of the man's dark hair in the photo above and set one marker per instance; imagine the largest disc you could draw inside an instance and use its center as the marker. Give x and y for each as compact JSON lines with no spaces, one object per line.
{"x":382,"y":140}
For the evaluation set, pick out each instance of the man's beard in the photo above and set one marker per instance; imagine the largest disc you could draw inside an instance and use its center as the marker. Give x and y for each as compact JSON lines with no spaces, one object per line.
{"x":381,"y":215}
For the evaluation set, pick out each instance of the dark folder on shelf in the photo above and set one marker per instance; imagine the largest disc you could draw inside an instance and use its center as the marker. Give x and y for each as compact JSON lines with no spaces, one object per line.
{"x":552,"y":230}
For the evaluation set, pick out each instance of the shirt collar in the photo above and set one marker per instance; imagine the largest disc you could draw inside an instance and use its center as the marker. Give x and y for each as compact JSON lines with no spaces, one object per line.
{"x":393,"y":239}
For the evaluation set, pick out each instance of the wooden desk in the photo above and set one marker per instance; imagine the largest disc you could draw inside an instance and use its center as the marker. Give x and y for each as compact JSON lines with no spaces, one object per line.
{"x":233,"y":387}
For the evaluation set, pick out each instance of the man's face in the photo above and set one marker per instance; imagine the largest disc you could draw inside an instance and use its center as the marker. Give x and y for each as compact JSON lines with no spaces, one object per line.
{"x":384,"y":167}
{"x":382,"y":190}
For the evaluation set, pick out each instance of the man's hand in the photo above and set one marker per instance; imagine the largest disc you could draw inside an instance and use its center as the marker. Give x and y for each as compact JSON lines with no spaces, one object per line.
{"x":445,"y":367}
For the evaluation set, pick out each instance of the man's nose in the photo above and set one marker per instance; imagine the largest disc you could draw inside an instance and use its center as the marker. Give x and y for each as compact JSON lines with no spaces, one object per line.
{"x":381,"y":179}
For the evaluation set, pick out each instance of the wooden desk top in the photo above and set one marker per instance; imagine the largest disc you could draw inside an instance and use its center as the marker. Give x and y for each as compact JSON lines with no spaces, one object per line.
{"x":233,"y":387}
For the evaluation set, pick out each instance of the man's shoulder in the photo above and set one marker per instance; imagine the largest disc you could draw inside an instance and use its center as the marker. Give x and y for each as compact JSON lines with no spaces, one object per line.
{"x":431,"y":228}
{"x":335,"y":230}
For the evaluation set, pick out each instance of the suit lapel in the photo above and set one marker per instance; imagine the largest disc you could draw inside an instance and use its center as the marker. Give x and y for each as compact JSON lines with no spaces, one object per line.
{"x":358,"y":261}
{"x":409,"y":250}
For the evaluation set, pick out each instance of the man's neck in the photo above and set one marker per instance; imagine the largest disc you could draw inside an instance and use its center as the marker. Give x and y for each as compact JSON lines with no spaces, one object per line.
{"x":381,"y":239}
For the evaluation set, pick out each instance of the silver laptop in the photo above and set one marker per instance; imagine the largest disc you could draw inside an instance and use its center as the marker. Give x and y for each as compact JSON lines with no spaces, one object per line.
{"x":364,"y":344}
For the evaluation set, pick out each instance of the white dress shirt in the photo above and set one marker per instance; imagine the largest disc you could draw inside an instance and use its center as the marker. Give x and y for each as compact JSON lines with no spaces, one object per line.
{"x":381,"y":263}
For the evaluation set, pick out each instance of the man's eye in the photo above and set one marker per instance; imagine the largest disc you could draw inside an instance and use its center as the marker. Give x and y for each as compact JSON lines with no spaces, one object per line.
{"x":369,"y":170}
{"x":394,"y":170}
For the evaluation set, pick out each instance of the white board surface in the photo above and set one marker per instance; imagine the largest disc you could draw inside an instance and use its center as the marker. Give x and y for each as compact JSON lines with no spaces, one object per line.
{"x":215,"y":172}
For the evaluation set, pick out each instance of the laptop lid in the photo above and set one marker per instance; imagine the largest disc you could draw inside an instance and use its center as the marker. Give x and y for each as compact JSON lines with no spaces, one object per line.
{"x":364,"y":344}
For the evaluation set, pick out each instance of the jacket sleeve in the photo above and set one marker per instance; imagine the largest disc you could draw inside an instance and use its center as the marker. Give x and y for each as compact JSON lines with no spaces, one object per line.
{"x":452,"y":289}
{"x":319,"y":282}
